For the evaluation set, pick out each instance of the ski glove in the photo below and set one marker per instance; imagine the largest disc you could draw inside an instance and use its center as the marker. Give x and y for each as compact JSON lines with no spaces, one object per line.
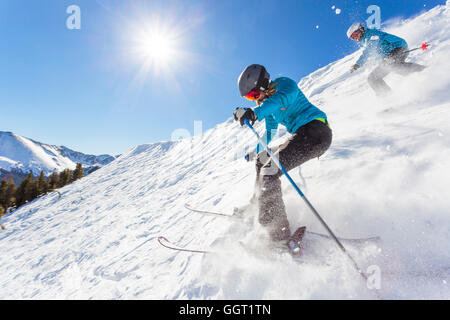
{"x":354,"y":68}
{"x":251,"y":156}
{"x":240,"y":114}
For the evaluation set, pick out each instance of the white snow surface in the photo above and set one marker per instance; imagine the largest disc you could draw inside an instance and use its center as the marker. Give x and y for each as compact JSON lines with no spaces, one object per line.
{"x":386,"y":174}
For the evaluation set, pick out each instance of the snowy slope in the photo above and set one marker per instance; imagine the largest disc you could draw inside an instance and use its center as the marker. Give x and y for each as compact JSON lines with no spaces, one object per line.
{"x":386,"y":174}
{"x":20,"y":154}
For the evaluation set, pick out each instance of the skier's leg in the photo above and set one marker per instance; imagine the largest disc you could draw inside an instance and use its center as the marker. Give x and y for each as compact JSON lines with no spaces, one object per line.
{"x":376,"y":79}
{"x":406,"y":68}
{"x":258,"y":166}
{"x":272,"y":213}
{"x":397,"y":61}
{"x":310,"y":141}
{"x":393,"y":59}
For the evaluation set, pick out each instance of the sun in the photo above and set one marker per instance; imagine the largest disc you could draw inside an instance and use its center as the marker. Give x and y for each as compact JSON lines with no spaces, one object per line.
{"x":159,"y":48}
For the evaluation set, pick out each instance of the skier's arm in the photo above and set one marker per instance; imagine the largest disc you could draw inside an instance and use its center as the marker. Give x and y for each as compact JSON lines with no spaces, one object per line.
{"x":364,"y":57}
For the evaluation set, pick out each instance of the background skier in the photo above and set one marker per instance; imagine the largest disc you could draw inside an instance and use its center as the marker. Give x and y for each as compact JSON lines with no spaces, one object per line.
{"x":378,"y":44}
{"x":280,"y":102}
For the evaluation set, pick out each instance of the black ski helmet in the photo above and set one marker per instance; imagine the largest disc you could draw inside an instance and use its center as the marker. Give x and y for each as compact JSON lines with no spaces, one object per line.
{"x":253,"y":78}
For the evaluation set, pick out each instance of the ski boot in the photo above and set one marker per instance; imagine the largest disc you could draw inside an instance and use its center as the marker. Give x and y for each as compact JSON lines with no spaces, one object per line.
{"x":295,"y":242}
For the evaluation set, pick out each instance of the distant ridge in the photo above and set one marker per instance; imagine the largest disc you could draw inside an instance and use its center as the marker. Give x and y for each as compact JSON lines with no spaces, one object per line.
{"x":20,"y":155}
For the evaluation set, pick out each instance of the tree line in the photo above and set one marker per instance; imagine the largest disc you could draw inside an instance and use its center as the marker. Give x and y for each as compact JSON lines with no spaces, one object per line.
{"x":12,"y":196}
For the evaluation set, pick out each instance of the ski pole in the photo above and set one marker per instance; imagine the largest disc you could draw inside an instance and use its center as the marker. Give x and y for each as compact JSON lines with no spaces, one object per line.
{"x":310,"y":206}
{"x":424,"y":47}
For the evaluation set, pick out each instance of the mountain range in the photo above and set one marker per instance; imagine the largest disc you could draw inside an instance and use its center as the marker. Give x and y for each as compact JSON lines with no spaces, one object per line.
{"x":20,"y":156}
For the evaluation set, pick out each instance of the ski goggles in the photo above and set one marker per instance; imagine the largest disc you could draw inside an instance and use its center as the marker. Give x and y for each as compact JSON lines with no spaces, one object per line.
{"x":253,"y":95}
{"x":355,"y":35}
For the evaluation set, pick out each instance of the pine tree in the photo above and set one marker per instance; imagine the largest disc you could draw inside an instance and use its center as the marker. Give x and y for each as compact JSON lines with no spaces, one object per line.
{"x":33,"y":187}
{"x":30,"y":188}
{"x":3,"y":188}
{"x":65,"y":177}
{"x":53,"y":181}
{"x":20,"y":194}
{"x":78,"y":173}
{"x":11,"y":193}
{"x":27,"y":190}
{"x":42,"y":185}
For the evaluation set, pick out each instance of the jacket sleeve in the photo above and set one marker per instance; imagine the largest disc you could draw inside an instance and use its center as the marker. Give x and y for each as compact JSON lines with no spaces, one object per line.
{"x":271,"y":127}
{"x":371,"y":41}
{"x":363,"y":58}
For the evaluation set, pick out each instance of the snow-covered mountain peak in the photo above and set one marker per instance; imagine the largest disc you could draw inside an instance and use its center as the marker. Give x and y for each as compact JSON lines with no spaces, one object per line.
{"x":20,"y":154}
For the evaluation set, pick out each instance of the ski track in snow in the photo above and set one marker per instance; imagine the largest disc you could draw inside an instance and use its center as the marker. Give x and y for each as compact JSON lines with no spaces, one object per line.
{"x":385,"y":174}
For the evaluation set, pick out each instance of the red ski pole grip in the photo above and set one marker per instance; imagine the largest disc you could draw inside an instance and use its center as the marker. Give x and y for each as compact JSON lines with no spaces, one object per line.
{"x":425,"y":46}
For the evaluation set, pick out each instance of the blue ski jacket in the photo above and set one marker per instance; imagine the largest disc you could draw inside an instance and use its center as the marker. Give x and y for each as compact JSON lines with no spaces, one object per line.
{"x":287,"y":106}
{"x":379,"y":44}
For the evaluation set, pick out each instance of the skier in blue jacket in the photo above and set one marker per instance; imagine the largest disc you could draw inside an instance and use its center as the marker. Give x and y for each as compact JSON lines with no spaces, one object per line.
{"x":391,"y":49}
{"x":280,"y":102}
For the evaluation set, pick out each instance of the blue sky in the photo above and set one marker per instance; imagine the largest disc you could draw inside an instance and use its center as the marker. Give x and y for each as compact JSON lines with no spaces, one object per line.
{"x":90,"y":89}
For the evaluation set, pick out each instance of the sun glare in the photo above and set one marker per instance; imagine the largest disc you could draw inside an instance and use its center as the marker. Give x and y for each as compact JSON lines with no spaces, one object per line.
{"x":159,"y":48}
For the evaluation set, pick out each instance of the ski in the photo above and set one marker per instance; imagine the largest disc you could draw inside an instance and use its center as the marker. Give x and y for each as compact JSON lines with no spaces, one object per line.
{"x":234,"y":215}
{"x":170,"y":245}
{"x":237,"y":214}
{"x":442,"y":272}
{"x":163,"y":241}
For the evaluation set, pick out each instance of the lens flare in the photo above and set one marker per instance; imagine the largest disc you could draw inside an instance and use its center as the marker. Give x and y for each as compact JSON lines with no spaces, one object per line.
{"x":158,"y":47}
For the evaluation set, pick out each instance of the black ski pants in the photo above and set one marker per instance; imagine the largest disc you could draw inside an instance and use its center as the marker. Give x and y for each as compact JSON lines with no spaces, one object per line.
{"x":309,"y":142}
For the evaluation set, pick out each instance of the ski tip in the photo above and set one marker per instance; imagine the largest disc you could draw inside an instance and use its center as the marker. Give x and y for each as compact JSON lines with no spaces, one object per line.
{"x":161,"y":238}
